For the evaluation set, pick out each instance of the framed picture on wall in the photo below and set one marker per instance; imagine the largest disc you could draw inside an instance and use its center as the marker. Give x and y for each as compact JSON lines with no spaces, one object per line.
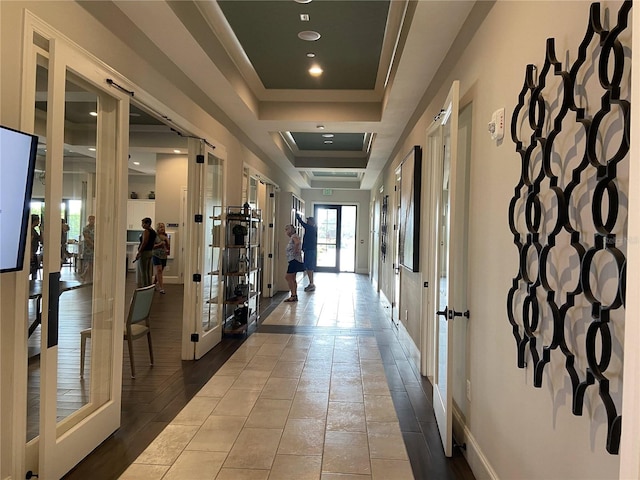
{"x":410,"y":184}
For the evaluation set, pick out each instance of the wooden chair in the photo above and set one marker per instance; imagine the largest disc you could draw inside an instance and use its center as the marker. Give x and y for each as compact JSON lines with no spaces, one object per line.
{"x":137,"y":326}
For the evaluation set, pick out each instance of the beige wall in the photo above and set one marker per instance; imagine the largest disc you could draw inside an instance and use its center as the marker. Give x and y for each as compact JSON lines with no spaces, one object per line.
{"x":171,"y":179}
{"x":513,"y":430}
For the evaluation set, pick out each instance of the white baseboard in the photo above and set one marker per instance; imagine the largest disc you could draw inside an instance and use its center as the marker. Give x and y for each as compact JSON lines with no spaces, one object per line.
{"x":411,"y":349}
{"x":478,"y":462}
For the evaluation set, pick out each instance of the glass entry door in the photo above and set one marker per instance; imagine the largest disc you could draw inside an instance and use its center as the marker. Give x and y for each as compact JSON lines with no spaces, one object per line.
{"x":336,"y":237}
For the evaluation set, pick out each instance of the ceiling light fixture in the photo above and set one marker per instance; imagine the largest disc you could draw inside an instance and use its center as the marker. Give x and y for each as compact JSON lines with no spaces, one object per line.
{"x":328,"y":142}
{"x":311,"y":55}
{"x":93,"y":114}
{"x":327,"y":135}
{"x":320,"y":127}
{"x":304,"y":17}
{"x":315,"y":71}
{"x":91,"y":149}
{"x":302,"y":1}
{"x":309,"y":35}
{"x":176,"y":151}
{"x":136,"y":163}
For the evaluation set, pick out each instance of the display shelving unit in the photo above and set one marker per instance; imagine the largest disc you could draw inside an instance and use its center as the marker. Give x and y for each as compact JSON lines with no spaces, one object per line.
{"x":241,"y":269}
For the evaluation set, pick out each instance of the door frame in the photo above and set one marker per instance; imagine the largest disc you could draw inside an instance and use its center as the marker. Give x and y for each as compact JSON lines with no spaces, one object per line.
{"x":338,"y":207}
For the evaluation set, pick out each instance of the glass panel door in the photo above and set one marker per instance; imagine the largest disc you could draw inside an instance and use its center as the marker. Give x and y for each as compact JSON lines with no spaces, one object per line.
{"x":82,"y":134}
{"x":328,"y":222}
{"x":209,"y":297}
{"x":348,"y":238}
{"x":442,"y":144}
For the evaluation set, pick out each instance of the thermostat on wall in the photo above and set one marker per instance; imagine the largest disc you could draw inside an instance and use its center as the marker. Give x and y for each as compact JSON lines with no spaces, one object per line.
{"x":496,"y":125}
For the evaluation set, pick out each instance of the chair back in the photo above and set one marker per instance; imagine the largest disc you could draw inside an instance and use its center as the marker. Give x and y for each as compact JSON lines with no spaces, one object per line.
{"x":140,"y":304}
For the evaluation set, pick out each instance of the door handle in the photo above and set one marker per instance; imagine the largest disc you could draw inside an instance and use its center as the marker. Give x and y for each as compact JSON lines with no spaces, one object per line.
{"x":453,"y":313}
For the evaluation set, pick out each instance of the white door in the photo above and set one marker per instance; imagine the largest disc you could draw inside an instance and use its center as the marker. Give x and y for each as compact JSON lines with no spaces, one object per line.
{"x":442,"y":151}
{"x":202,"y":310}
{"x":395,"y":305}
{"x":268,"y":222}
{"x":82,"y":165}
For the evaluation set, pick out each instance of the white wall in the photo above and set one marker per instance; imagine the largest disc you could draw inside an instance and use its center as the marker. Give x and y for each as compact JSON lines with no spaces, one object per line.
{"x":514,"y":430}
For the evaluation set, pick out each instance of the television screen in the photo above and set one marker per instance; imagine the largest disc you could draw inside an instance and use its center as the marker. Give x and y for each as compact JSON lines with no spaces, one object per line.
{"x":17,"y":164}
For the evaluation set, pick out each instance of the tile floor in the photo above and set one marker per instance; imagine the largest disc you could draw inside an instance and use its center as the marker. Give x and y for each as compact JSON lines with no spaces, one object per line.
{"x":311,"y":402}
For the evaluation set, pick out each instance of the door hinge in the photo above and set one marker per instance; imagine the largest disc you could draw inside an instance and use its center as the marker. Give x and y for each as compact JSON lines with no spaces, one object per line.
{"x":426,"y":284}
{"x":195,"y":337}
{"x":268,"y":285}
{"x":271,"y":225}
{"x":197,"y":218}
{"x":270,"y":255}
{"x":199,"y":158}
{"x":197,"y":277}
{"x":271,"y":195}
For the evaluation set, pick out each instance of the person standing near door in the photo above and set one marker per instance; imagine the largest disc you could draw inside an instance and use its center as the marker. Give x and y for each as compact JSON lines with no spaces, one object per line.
{"x":144,"y":255}
{"x":160,"y":252}
{"x":310,"y":249}
{"x":36,"y":240}
{"x":294,"y":257}
{"x":88,"y":235}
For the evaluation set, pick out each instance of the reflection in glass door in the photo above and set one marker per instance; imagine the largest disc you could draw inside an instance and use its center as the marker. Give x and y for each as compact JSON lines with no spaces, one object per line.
{"x":336,"y":237}
{"x":82,"y":136}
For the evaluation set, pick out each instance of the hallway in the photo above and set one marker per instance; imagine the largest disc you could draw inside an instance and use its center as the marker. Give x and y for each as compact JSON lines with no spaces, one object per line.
{"x":310,"y":394}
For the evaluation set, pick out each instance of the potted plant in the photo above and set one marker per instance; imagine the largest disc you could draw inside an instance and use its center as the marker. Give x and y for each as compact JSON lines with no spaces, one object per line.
{"x":239,"y":231}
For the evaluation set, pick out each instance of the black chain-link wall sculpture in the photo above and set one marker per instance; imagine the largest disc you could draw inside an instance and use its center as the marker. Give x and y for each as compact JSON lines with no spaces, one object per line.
{"x":557,"y":182}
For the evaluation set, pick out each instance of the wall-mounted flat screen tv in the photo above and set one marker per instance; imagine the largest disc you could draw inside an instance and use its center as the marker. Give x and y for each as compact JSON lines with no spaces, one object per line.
{"x":17,"y":163}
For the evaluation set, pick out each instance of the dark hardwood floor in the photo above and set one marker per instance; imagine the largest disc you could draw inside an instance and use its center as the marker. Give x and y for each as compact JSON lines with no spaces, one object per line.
{"x":158,"y":393}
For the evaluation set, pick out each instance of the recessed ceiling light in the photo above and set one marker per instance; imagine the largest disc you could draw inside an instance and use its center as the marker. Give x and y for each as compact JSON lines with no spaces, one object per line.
{"x":304,"y":17}
{"x":320,"y":127}
{"x":302,"y":1}
{"x":327,"y":135}
{"x":315,"y":71}
{"x":311,"y":55}
{"x":91,"y":149}
{"x":309,"y":35}
{"x":328,"y":142}
{"x":176,"y":151}
{"x":136,"y":163}
{"x":93,"y":114}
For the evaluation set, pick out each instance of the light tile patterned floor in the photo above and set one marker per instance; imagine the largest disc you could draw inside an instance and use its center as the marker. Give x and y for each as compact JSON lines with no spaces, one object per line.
{"x":290,"y":406}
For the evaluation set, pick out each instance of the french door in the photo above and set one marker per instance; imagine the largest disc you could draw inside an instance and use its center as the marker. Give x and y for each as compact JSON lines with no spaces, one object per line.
{"x":82,"y":125}
{"x":336,"y":237}
{"x":203,"y":295}
{"x":447,"y":235}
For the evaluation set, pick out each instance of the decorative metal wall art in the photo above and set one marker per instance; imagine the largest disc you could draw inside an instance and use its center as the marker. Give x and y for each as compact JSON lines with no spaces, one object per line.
{"x":568,"y":218}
